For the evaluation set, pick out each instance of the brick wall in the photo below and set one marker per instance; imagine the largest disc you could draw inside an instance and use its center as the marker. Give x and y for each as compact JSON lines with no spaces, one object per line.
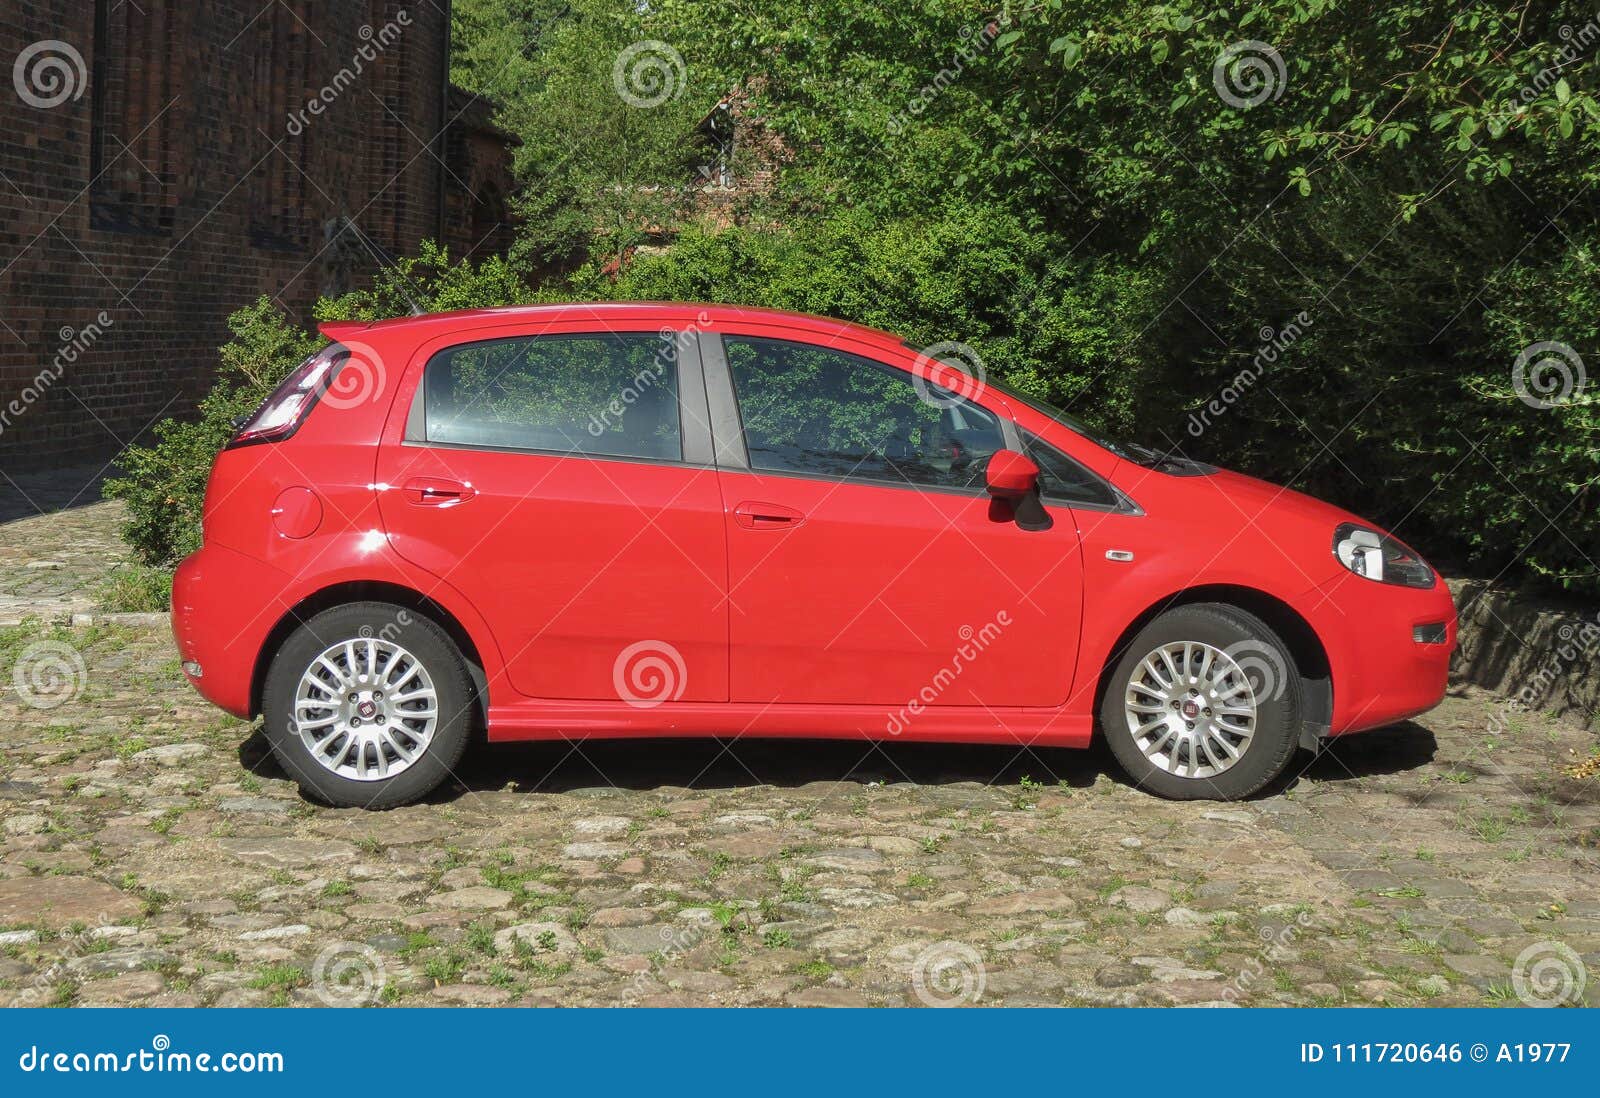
{"x":161,"y":167}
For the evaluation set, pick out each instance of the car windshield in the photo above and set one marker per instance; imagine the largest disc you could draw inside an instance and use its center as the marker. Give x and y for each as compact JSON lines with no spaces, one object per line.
{"x":1128,"y":451}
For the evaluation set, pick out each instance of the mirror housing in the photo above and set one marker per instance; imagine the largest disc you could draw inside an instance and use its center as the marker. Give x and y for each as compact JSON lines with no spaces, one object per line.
{"x":1011,"y":475}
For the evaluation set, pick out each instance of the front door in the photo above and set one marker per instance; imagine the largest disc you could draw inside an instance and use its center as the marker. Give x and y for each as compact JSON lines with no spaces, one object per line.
{"x":867,"y":564}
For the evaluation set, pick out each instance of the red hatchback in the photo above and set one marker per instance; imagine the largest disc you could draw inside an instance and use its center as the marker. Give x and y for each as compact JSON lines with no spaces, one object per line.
{"x":676,"y":520}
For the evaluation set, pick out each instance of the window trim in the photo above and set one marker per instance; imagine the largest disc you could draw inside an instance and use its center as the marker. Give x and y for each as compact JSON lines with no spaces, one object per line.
{"x":694,"y":434}
{"x":733,"y":448}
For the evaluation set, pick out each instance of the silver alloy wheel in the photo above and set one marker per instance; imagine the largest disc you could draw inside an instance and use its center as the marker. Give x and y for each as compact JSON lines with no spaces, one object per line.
{"x":1191,"y":709}
{"x":366,"y":709}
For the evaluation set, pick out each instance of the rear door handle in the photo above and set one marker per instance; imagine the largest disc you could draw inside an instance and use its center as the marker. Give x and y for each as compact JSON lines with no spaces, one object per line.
{"x":756,"y":515}
{"x":436,"y":491}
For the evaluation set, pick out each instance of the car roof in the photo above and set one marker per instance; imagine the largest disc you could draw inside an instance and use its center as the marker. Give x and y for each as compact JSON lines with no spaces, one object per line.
{"x":604,"y":312}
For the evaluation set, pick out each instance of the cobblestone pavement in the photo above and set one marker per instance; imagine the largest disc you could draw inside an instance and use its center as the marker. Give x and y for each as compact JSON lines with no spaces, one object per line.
{"x":152,"y":853}
{"x":58,"y":541}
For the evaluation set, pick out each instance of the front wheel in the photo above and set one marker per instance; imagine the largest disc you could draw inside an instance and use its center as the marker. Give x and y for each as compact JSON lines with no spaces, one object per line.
{"x":368,"y":705}
{"x":1204,"y":703}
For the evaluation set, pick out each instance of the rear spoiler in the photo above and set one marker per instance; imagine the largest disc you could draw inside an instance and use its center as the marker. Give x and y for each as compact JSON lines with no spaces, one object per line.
{"x":341,"y":330}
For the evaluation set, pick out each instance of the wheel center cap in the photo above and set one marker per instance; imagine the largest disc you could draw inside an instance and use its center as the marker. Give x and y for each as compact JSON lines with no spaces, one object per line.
{"x":368,"y":709}
{"x":1191,"y":709}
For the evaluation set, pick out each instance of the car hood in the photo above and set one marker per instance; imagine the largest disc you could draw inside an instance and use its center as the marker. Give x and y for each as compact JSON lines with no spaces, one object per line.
{"x":1263,"y":499}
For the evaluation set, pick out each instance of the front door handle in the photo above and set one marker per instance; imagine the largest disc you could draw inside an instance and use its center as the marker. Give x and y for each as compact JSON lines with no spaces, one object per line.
{"x":756,"y":515}
{"x":436,"y":491}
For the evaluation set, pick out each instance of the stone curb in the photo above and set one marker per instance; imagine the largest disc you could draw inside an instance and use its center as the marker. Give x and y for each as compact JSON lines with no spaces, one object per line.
{"x":78,"y":619}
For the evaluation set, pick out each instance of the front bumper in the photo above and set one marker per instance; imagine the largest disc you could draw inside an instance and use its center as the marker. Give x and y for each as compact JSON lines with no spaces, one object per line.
{"x":1382,"y":672}
{"x":224,"y":604}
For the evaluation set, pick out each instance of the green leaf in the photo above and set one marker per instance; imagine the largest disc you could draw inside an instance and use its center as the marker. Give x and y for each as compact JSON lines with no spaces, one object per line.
{"x":1563,"y":90}
{"x":1159,"y":51}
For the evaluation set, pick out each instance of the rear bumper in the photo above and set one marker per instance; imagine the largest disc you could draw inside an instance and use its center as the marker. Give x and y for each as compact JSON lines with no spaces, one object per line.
{"x":1381,"y":672}
{"x":224,"y":604}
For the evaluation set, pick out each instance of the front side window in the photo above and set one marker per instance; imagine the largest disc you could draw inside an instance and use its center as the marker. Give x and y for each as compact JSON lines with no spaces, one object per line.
{"x":612,"y":395}
{"x":821,"y":412}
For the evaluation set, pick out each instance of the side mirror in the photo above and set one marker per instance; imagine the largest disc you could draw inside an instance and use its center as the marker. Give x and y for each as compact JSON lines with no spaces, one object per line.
{"x":1011,"y":476}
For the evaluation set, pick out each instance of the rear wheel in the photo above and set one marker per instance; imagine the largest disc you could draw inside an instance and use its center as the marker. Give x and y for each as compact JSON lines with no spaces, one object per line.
{"x":368,"y":705}
{"x":1204,"y":703}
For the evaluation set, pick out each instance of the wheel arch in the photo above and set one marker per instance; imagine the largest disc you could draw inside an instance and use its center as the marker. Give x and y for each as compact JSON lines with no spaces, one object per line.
{"x":1306,"y":649}
{"x":339,"y":594}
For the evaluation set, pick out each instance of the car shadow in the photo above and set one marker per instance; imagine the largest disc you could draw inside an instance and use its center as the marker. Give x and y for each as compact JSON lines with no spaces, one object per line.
{"x":1394,"y":749}
{"x":562,"y":766}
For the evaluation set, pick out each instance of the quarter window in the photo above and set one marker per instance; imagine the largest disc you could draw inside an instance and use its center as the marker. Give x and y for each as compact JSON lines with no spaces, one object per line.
{"x":826,"y":413}
{"x":1062,"y":479}
{"x":604,"y":394}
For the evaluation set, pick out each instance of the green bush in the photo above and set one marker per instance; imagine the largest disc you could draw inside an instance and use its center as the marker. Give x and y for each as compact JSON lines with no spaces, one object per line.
{"x":1049,"y":325}
{"x":136,"y":588}
{"x":164,"y":483}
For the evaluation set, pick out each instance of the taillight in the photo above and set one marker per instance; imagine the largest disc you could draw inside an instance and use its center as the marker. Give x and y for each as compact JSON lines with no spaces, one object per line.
{"x":281,"y":414}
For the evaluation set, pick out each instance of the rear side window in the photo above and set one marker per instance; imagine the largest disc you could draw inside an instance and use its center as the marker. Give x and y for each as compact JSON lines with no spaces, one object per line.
{"x":605,"y":394}
{"x":820,"y":412}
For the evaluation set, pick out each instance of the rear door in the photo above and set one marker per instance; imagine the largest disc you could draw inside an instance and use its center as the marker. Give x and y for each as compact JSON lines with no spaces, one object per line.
{"x":561,"y":480}
{"x":867,"y":564}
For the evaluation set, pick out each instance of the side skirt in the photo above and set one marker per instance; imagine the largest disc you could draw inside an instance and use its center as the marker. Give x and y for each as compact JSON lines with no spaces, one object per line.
{"x":557,"y":720}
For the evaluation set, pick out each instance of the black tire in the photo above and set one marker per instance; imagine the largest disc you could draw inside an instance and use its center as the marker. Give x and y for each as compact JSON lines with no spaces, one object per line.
{"x":428,"y":644}
{"x":1265,"y":661}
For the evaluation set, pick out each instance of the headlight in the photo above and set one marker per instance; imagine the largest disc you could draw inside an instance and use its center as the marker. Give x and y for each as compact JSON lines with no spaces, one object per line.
{"x":1378,"y":557}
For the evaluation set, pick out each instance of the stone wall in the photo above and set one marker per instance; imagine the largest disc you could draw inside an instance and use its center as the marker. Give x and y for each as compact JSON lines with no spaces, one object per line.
{"x":1538,"y":653}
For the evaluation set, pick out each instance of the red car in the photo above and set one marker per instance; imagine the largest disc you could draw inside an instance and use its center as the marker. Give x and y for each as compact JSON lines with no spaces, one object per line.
{"x":626,"y":520}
